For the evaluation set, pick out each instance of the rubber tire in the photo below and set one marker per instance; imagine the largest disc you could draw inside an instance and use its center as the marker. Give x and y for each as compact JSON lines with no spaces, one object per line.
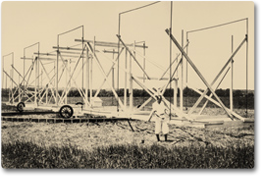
{"x":20,"y":106}
{"x":68,"y":114}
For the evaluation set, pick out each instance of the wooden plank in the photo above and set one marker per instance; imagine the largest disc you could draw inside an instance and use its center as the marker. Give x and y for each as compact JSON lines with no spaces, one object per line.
{"x":153,"y":78}
{"x":110,"y":44}
{"x":181,"y":75}
{"x":25,"y":58}
{"x":231,"y":80}
{"x":125,"y":87}
{"x":27,"y":113}
{"x":67,"y":48}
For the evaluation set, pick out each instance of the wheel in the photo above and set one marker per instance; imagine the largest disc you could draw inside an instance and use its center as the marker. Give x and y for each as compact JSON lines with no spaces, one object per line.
{"x":66,"y":111}
{"x":20,"y":106}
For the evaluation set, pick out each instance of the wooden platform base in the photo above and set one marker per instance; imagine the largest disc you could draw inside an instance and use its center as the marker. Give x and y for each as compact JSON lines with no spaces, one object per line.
{"x":203,"y":121}
{"x":60,"y":120}
{"x":109,"y":113}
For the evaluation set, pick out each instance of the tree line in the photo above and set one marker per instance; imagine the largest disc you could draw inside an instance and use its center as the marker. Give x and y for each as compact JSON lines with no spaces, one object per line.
{"x":187,"y":92}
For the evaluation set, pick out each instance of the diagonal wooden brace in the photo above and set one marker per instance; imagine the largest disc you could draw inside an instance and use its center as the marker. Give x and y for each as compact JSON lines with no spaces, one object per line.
{"x":196,"y":70}
{"x":71,"y":75}
{"x":131,"y":54}
{"x":203,"y":107}
{"x":216,"y":103}
{"x":104,"y":74}
{"x":173,"y":61}
{"x":220,"y":72}
{"x":107,"y":75}
{"x":150,"y":98}
{"x":170,"y":80}
{"x":50,"y":81}
{"x":23,"y":91}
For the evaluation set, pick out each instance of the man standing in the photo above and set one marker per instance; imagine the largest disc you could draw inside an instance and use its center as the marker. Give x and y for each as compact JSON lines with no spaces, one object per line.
{"x":161,"y":113}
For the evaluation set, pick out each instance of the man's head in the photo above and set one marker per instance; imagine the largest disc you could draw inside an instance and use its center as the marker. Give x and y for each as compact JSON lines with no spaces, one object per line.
{"x":159,"y":98}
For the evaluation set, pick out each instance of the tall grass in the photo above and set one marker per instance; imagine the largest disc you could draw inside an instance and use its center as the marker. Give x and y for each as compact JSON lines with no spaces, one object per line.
{"x":29,"y":155}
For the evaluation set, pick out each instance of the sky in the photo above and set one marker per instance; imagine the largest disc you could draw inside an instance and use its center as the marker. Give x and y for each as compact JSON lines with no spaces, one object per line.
{"x":25,"y":23}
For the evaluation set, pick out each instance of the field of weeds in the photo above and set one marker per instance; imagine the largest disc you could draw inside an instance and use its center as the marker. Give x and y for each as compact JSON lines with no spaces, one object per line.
{"x":116,"y":145}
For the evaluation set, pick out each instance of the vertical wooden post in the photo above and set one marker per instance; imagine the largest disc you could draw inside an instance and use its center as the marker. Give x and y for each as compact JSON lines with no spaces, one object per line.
{"x":117,"y":76}
{"x":24,"y":69}
{"x":113,"y":71}
{"x":6,"y":82}
{"x":12,"y":71}
{"x":187,"y":40}
{"x":46,"y":95}
{"x":38,"y":77}
{"x":36,"y":81}
{"x":38,"y":70}
{"x":41,"y":84}
{"x":87,"y":75}
{"x":91,"y":73}
{"x":2,"y":74}
{"x":175,"y":88}
{"x":9,"y":93}
{"x":54,"y":81}
{"x":182,"y":74}
{"x":125,"y":89}
{"x":131,"y":83}
{"x":56,"y":72}
{"x":118,"y":48}
{"x":83,"y":61}
{"x":246,"y":66}
{"x":170,"y":60}
{"x":3,"y":63}
{"x":144,"y":66}
{"x":66,"y":79}
{"x":144,"y":61}
{"x":231,"y":85}
{"x":19,"y":97}
{"x":69,"y":69}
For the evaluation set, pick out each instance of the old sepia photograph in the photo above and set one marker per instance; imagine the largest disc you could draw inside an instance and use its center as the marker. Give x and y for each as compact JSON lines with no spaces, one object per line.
{"x":127,"y":85}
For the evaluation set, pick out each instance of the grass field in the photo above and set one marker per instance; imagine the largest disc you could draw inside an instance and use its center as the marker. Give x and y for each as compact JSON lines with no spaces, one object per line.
{"x":115,"y":145}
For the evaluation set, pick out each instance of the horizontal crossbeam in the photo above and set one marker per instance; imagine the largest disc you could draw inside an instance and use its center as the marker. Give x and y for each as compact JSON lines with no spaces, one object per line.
{"x":153,"y":78}
{"x":109,"y":44}
{"x":24,"y":58}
